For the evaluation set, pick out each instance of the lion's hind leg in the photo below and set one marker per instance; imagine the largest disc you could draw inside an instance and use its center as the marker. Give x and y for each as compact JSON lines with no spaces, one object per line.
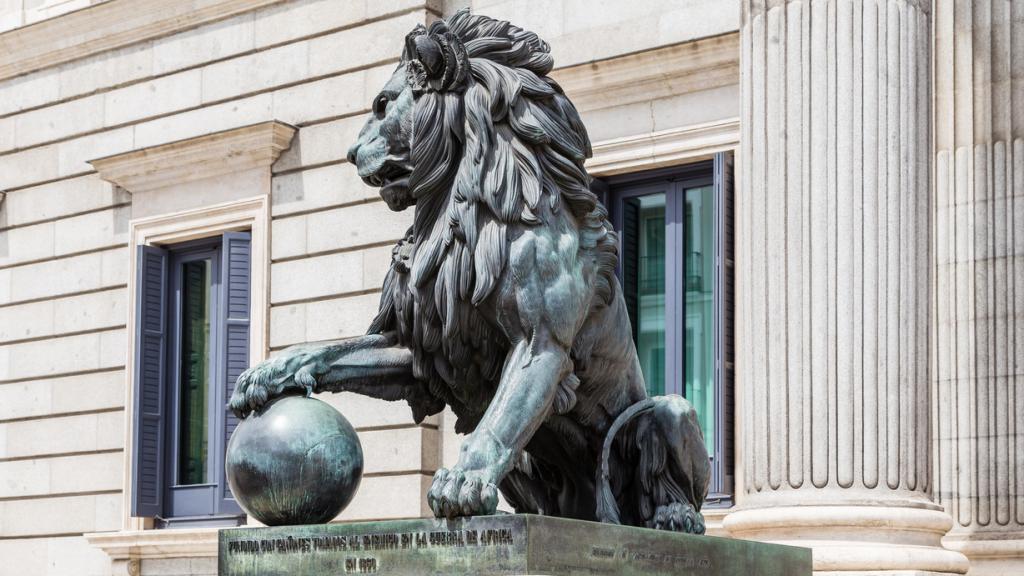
{"x":661,"y":450}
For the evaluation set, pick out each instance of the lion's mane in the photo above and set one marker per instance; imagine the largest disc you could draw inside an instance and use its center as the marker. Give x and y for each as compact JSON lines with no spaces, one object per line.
{"x":496,"y":145}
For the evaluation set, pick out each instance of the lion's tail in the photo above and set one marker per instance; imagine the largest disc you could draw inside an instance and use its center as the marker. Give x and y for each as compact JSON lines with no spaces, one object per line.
{"x":607,"y":507}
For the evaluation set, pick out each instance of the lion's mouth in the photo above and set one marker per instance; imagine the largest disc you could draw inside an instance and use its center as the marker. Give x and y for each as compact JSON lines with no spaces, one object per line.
{"x":393,"y":183}
{"x":394,"y":186}
{"x":390,"y":171}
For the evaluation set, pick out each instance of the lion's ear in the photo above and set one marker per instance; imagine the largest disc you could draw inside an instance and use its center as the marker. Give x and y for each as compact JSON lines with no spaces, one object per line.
{"x":428,"y":52}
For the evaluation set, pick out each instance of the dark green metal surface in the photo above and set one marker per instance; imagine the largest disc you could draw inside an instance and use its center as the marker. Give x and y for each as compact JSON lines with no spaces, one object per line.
{"x":497,"y":545}
{"x":502,"y":300}
{"x":296,"y":461}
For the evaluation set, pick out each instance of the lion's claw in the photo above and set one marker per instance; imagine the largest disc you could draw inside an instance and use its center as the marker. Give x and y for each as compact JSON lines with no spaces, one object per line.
{"x":678,"y":517}
{"x":457,"y":492}
{"x":305,"y":378}
{"x":294,"y":369}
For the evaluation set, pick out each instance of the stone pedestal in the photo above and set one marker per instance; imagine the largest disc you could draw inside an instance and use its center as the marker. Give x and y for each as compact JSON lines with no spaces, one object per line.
{"x":496,"y":545}
{"x":978,"y":371}
{"x":834,"y":269}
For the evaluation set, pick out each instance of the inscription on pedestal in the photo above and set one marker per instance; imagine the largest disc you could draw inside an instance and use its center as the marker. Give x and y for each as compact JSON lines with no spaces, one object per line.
{"x":495,"y":545}
{"x":361,"y":546}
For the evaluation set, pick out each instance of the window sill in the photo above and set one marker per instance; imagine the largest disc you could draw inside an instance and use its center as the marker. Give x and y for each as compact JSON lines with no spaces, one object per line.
{"x":150,"y":544}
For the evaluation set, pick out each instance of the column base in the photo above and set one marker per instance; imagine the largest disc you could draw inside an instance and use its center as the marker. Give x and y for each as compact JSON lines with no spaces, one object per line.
{"x":862,"y":540}
{"x":990,"y":553}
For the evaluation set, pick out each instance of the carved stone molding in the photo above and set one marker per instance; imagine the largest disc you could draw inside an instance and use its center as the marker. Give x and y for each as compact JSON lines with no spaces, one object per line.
{"x":107,"y":26}
{"x":234,"y":150}
{"x":149,"y":544}
{"x":663,"y":148}
{"x":689,"y":67}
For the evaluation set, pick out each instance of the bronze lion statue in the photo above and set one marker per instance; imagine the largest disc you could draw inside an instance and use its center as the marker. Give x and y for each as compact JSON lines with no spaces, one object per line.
{"x":502,"y":301}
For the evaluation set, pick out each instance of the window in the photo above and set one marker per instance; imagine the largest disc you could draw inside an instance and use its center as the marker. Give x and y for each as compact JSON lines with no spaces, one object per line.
{"x":193,"y":342}
{"x":675,"y":229}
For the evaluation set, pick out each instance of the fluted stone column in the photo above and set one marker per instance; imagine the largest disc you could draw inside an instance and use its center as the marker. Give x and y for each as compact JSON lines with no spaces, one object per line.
{"x":834,"y":280}
{"x":978,"y":382}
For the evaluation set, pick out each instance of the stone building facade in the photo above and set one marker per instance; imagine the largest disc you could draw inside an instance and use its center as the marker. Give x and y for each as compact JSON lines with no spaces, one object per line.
{"x":858,"y":165}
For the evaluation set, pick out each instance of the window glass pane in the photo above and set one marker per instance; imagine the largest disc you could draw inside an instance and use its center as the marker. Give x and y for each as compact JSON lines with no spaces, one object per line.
{"x":193,"y":425}
{"x":644,"y":220}
{"x":699,"y":287}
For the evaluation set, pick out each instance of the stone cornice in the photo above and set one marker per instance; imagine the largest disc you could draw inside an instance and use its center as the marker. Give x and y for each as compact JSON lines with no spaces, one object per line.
{"x":663,"y":148}
{"x":689,"y":67}
{"x":149,"y":544}
{"x":107,"y":26}
{"x":214,"y":154}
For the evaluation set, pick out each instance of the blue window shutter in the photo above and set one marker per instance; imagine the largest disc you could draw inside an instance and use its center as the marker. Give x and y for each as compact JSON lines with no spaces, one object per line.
{"x":236,"y":271}
{"x":150,"y":358}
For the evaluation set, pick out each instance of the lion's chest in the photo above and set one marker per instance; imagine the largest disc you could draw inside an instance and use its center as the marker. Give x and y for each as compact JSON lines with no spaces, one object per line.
{"x":457,"y":348}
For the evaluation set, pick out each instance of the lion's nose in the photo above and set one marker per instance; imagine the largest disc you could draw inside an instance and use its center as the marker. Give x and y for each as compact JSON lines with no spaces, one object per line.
{"x":352,"y":153}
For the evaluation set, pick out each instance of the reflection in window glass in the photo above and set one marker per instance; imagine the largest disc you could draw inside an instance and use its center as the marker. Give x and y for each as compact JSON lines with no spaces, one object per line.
{"x":193,"y":426}
{"x":645,"y":290}
{"x":699,"y":287}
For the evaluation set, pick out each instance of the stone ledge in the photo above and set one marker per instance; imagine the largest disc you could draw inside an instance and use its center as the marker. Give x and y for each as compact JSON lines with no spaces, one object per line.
{"x":713,"y":521}
{"x":108,"y":26}
{"x":664,"y":148}
{"x":149,"y":544}
{"x":234,"y":150}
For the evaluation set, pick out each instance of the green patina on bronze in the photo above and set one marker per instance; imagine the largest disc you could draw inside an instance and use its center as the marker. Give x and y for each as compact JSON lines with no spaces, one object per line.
{"x":295,"y":461}
{"x":501,"y":301}
{"x":497,"y":545}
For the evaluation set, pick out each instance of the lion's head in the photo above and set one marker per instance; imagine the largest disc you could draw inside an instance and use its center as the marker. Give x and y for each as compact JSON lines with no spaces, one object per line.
{"x":470,"y":98}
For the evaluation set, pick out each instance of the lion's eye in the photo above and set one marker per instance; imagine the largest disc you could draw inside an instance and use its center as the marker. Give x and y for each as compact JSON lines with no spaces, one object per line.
{"x":380,"y":105}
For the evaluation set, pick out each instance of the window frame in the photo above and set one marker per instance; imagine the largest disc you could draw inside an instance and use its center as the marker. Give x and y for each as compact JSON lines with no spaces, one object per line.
{"x":614,"y":190}
{"x":249,"y":213}
{"x":672,"y":181}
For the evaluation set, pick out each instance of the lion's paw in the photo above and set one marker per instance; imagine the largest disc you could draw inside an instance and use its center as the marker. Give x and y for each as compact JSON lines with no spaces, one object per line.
{"x":462,"y":493}
{"x":678,"y":517}
{"x":292,"y":370}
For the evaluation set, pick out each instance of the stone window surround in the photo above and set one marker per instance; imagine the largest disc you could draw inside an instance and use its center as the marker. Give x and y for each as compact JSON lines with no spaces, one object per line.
{"x":248,"y":214}
{"x":137,"y":540}
{"x":178,"y":169}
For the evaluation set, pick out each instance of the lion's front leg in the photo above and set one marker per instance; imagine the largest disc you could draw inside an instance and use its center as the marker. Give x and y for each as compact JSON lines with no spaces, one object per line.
{"x":520,"y":405}
{"x":550,"y":294}
{"x":372,"y":365}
